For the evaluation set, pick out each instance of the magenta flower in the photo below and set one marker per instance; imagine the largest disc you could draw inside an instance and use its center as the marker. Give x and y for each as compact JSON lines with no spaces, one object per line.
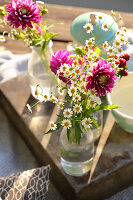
{"x":58,"y":59}
{"x":22,"y":13}
{"x":103,"y":78}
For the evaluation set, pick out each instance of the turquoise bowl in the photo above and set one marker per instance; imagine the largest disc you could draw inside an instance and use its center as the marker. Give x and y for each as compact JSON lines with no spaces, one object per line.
{"x":79,"y":33}
{"x":122,"y":95}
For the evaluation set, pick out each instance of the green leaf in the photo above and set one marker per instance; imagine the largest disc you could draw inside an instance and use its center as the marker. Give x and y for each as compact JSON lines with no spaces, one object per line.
{"x":78,"y":132}
{"x":80,"y":51}
{"x":126,"y":67}
{"x":68,"y":133}
{"x":94,"y":121}
{"x":105,"y":106}
{"x":110,"y":107}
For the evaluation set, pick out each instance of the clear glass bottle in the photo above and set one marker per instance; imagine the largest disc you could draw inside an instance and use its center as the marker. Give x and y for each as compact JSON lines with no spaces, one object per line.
{"x":76,"y":159}
{"x":39,"y":71}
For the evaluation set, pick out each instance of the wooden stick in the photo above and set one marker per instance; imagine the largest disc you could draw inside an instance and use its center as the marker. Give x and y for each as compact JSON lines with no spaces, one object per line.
{"x":105,"y":134}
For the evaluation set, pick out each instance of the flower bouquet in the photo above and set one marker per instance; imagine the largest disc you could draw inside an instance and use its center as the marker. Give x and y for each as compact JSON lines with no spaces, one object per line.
{"x":86,"y":75}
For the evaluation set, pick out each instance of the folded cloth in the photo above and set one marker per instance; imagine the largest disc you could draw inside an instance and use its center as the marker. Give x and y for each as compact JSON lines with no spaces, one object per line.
{"x":12,"y":65}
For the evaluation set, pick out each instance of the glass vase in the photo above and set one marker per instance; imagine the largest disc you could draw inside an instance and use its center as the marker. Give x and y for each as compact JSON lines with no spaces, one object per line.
{"x":76,"y":159}
{"x":39,"y":71}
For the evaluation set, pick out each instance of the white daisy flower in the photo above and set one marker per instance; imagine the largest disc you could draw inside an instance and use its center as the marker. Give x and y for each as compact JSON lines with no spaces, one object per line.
{"x":45,"y":97}
{"x":29,"y":108}
{"x":120,"y":50}
{"x":110,"y":50}
{"x":105,"y":44}
{"x":89,"y":59}
{"x":117,"y":43}
{"x":52,"y":125}
{"x":89,"y":42}
{"x":92,"y":92}
{"x":73,"y":74}
{"x":113,"y":65}
{"x":76,"y":70}
{"x":66,"y":123}
{"x":67,"y":73}
{"x":64,"y":67}
{"x":53,"y":98}
{"x":60,"y":91}
{"x":2,"y":38}
{"x":70,"y":69}
{"x":105,"y":26}
{"x":92,"y":103}
{"x":74,"y":80}
{"x":67,"y":113}
{"x":82,"y":79}
{"x":60,"y":104}
{"x":77,"y":108}
{"x":81,"y":88}
{"x":88,"y":27}
{"x":124,"y":29}
{"x":72,"y":91}
{"x":77,"y":98}
{"x":100,"y":17}
{"x":86,"y":122}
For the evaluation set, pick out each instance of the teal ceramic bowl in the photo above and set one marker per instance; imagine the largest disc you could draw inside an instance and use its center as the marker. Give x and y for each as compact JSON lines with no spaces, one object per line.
{"x":79,"y":33}
{"x":122,"y":95}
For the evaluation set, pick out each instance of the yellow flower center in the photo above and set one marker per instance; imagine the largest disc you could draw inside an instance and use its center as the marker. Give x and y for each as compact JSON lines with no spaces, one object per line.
{"x":52,"y":125}
{"x":92,"y":102}
{"x":105,"y":26}
{"x":36,"y":92}
{"x":72,"y":90}
{"x":87,"y":122}
{"x":64,"y":68}
{"x":66,"y":124}
{"x":117,"y":43}
{"x":45,"y":96}
{"x":77,"y":108}
{"x":67,"y":112}
{"x":88,"y":28}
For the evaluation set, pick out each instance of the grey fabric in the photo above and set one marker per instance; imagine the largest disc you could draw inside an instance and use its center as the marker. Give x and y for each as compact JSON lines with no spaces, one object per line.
{"x":15,"y":155}
{"x":31,"y":184}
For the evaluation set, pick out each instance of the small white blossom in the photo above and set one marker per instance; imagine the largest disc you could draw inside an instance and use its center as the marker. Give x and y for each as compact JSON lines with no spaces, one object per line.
{"x":60,"y":104}
{"x":105,"y":44}
{"x":53,"y":126}
{"x":66,"y":123}
{"x":88,"y":27}
{"x":72,"y":91}
{"x":92,"y":103}
{"x":110,"y":50}
{"x":29,"y":108}
{"x":77,"y":98}
{"x":2,"y":38}
{"x":53,"y":98}
{"x":117,"y":43}
{"x":60,"y":91}
{"x":105,"y":26}
{"x":77,"y":108}
{"x":67,"y":113}
{"x":86,"y":122}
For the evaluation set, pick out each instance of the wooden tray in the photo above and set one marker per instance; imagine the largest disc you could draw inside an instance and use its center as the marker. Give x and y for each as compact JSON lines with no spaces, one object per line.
{"x":114,"y":170}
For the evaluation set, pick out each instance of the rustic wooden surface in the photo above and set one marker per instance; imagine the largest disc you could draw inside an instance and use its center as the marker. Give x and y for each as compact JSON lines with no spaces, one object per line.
{"x":114,"y":170}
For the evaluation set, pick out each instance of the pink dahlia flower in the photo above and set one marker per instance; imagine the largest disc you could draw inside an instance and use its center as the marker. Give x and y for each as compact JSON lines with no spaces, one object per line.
{"x":22,"y":13}
{"x":58,"y":59}
{"x":103,"y":78}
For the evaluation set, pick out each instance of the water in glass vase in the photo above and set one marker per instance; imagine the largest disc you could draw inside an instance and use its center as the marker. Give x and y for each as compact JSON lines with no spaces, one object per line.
{"x":76,"y":159}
